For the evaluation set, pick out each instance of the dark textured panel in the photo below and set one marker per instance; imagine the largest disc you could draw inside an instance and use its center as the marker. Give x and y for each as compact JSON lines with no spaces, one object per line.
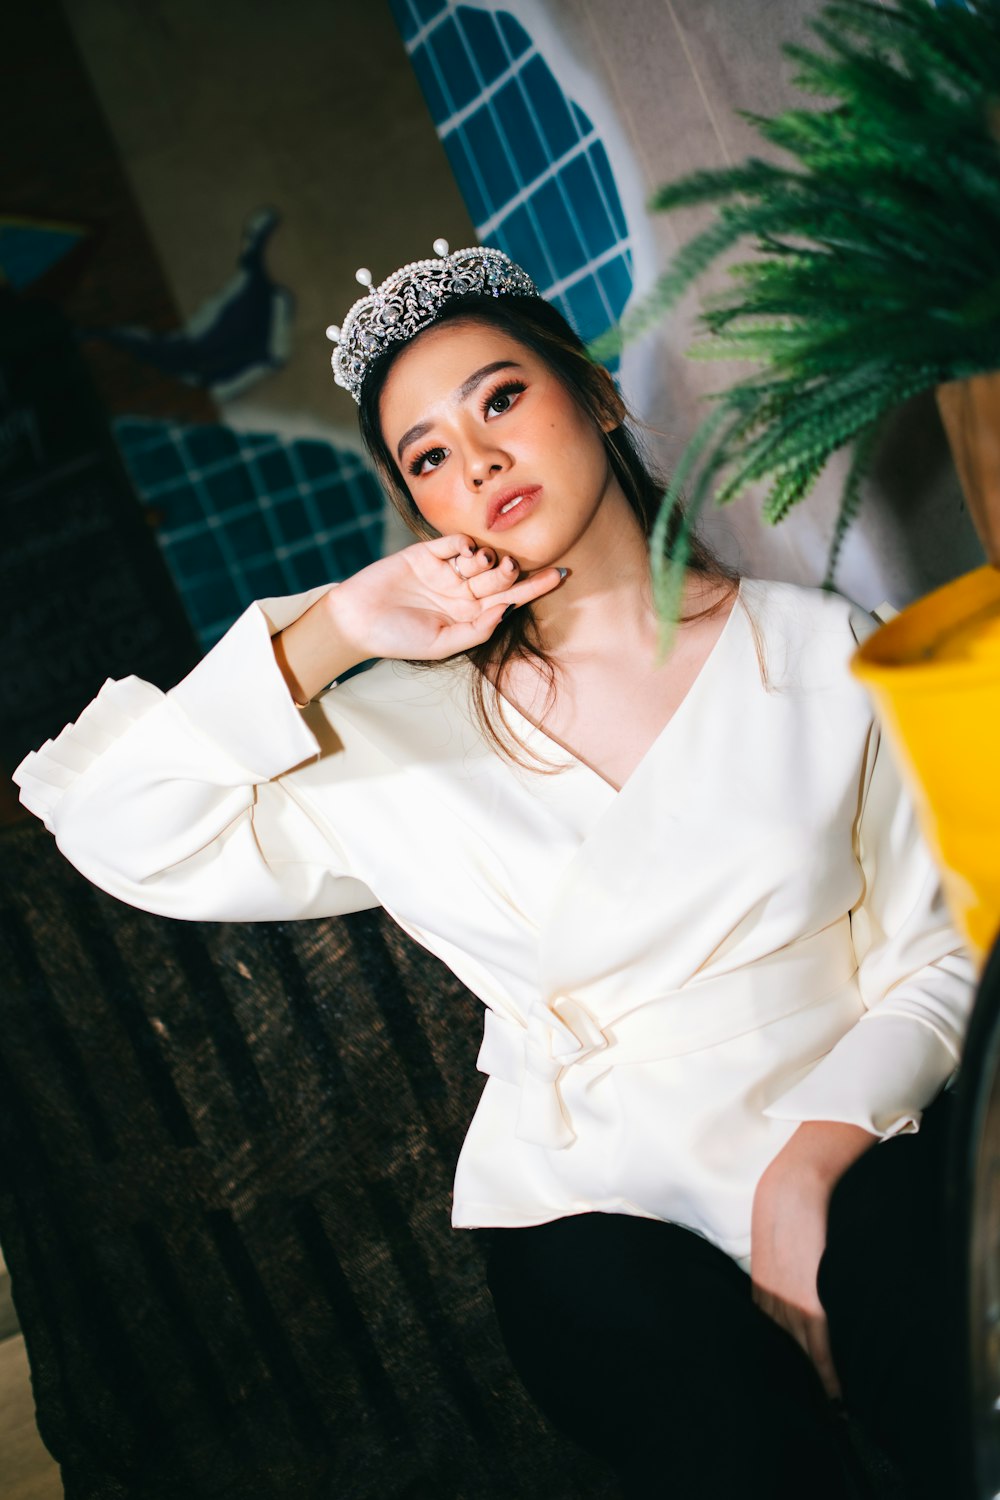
{"x":8,"y":1317}
{"x":226,"y":1155}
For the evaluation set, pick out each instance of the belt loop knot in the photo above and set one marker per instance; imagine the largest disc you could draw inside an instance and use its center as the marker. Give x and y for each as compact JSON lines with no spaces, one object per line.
{"x":557,"y":1035}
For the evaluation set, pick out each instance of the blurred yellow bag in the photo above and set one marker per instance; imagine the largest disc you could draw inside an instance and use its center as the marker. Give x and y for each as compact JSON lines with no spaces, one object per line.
{"x":933,"y":672}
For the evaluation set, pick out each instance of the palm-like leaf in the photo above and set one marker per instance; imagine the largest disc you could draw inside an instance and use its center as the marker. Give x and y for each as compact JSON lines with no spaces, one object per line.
{"x":876,"y":265}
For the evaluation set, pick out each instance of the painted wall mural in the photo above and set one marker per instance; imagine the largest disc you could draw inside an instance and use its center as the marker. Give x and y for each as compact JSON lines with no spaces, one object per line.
{"x":221,"y":515}
{"x":238,"y":515}
{"x":43,"y":254}
{"x":529,"y":160}
{"x":236,"y":337}
{"x":241,"y":516}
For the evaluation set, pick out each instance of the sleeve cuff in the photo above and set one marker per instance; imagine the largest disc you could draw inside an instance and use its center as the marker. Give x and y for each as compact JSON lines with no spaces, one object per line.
{"x":237,"y":696}
{"x":881,"y":1075}
{"x":45,"y":774}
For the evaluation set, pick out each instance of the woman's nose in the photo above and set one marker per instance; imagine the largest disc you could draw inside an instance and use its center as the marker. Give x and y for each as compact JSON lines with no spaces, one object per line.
{"x":482,"y":466}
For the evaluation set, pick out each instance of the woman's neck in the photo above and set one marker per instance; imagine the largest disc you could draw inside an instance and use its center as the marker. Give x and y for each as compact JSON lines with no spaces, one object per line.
{"x":606,"y":602}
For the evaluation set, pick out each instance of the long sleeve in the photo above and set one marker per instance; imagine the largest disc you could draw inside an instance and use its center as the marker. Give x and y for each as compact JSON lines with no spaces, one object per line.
{"x":916,"y":977}
{"x":185,"y":803}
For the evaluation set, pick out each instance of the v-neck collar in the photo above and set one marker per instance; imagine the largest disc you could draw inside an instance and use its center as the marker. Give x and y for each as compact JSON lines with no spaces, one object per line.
{"x":576,"y":766}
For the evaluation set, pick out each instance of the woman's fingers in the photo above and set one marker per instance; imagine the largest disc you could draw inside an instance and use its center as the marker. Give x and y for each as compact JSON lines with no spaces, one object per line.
{"x":523,"y":592}
{"x":495,"y":579}
{"x":818,"y":1348}
{"x":481,"y":562}
{"x":810,"y":1331}
{"x":463,"y":556}
{"x":534,"y":585}
{"x":503,"y":578}
{"x":456,"y":544}
{"x":489,"y":573}
{"x":489,"y":610}
{"x":485,"y":584}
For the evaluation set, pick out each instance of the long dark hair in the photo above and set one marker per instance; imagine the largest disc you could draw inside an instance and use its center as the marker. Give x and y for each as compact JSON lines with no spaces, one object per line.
{"x":542,"y":329}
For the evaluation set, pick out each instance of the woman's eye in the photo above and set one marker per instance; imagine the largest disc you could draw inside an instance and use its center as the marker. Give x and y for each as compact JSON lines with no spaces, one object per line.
{"x":500,"y":400}
{"x":436,"y":454}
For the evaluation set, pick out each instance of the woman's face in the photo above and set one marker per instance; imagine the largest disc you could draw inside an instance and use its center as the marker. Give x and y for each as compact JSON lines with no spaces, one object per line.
{"x":473,"y":419}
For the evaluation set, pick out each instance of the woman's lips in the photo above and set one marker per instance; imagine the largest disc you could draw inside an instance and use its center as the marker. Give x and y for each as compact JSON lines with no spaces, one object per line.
{"x":525,"y":505}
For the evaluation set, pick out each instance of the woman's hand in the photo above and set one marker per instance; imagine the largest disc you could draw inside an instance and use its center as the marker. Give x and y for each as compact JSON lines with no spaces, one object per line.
{"x":788,"y":1233}
{"x":428,"y":601}
{"x":433,"y":599}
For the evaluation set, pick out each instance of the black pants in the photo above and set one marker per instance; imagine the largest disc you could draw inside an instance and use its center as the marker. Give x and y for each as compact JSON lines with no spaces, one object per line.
{"x":640,"y":1340}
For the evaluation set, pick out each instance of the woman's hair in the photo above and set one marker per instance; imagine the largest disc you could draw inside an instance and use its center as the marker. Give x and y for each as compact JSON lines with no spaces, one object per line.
{"x":542,"y":329}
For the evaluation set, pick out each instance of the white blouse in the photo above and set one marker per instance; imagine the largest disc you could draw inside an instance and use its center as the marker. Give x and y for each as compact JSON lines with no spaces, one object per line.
{"x":750,"y":933}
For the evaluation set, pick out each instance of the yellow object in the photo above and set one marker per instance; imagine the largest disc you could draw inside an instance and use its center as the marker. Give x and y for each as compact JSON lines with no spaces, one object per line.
{"x":933,"y":672}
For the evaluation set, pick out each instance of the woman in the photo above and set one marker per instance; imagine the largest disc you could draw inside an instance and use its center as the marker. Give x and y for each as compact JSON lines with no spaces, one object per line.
{"x":711,"y":943}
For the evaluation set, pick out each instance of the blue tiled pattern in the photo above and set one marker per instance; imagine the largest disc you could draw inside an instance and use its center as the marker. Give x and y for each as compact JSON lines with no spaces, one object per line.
{"x":243,"y":516}
{"x":531,"y":166}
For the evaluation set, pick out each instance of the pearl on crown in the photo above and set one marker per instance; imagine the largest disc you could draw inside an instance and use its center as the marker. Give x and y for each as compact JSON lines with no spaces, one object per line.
{"x":410,"y":297}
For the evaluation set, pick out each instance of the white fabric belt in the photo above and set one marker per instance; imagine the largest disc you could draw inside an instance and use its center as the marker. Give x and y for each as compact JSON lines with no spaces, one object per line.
{"x":562,"y":1033}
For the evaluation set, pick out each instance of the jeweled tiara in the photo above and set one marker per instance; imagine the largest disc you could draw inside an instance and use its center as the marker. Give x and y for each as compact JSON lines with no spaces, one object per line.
{"x":411,"y":298}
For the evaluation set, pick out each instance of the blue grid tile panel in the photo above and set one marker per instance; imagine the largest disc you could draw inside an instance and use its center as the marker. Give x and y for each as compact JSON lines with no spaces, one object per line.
{"x":529,"y":162}
{"x":244,"y":516}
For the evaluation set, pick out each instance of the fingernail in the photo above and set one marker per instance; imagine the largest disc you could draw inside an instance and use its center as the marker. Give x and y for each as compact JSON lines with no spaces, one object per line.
{"x":563,"y":572}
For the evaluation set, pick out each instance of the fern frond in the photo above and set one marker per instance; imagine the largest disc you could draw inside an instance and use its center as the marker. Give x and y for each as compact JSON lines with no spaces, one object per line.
{"x":850,"y":499}
{"x":713,"y":183}
{"x":789,"y":489}
{"x":690,"y":262}
{"x":874,"y":265}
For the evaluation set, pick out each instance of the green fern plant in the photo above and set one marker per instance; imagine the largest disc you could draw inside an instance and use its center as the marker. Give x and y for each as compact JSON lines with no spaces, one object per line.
{"x":876,"y":267}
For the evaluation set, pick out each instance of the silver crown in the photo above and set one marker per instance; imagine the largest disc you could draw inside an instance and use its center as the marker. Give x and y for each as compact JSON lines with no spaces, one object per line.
{"x":411,"y":298}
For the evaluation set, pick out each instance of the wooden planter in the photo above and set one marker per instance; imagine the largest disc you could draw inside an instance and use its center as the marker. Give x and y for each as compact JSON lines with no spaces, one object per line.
{"x":970,"y":411}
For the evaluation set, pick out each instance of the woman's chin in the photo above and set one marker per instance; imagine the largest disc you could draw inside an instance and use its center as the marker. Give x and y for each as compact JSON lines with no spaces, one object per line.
{"x":534,"y":563}
{"x":534,"y":552}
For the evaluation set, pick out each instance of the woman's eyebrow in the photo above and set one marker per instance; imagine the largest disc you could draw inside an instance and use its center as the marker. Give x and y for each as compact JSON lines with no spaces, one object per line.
{"x":464,"y":390}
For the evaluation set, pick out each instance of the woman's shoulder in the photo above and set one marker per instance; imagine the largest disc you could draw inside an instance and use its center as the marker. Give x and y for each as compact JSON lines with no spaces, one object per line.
{"x":785,"y":605}
{"x":805,"y":634}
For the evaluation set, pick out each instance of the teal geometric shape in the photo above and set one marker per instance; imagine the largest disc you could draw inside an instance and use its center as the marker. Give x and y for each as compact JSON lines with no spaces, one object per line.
{"x":28,"y":250}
